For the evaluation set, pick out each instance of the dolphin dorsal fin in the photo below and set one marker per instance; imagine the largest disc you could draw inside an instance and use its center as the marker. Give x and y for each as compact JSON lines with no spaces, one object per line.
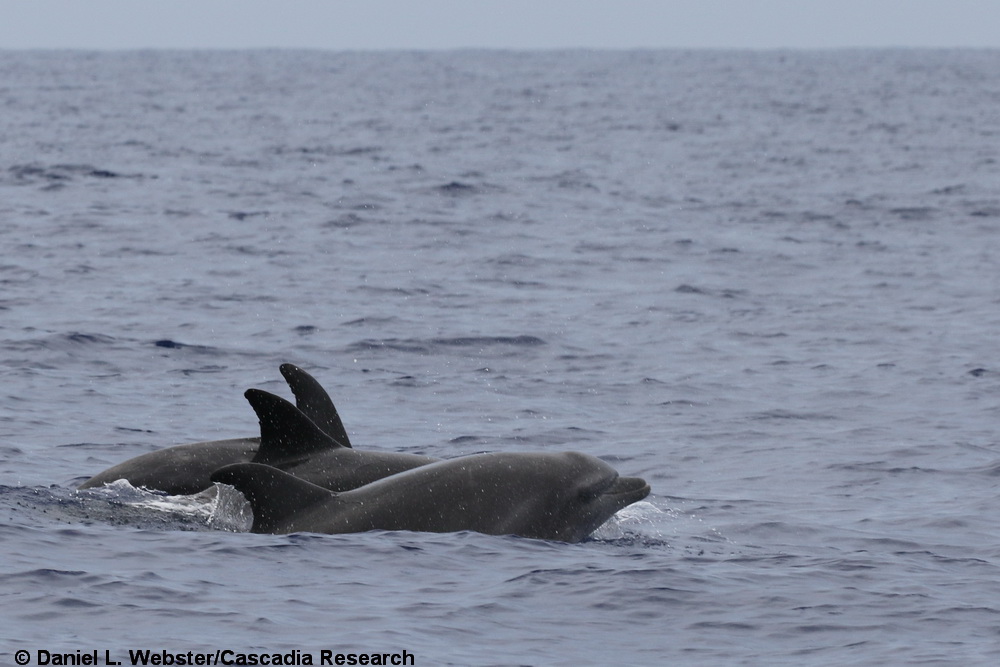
{"x":285,"y":433}
{"x":274,"y":495}
{"x":315,"y":403}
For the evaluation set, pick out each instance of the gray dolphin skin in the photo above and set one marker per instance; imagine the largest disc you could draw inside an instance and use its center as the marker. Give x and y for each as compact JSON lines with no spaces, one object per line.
{"x":314,"y":402}
{"x":317,"y":429}
{"x":560,"y":496}
{"x":182,"y":469}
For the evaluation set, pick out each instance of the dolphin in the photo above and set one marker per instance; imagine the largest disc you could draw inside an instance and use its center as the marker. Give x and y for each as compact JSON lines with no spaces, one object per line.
{"x":551,"y":496}
{"x":186,"y":469}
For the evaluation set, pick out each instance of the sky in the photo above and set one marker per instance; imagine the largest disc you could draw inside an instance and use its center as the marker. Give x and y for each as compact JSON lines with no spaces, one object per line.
{"x":508,"y":24}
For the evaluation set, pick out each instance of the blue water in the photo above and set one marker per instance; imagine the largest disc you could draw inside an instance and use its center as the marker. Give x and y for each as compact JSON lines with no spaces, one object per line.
{"x":766,"y":282}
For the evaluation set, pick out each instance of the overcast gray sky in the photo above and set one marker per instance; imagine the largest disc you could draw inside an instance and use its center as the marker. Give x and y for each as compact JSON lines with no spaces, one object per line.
{"x":516,"y":24}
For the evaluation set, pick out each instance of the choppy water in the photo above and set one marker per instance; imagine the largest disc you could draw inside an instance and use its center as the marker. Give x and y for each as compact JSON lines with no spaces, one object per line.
{"x":766,"y":282}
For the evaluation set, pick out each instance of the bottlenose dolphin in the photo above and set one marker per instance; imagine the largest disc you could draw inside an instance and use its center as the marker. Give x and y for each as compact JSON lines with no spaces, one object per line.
{"x":186,"y":469}
{"x":560,"y":496}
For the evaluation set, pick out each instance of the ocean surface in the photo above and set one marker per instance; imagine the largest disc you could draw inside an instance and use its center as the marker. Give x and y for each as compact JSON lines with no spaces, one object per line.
{"x":767,"y":282}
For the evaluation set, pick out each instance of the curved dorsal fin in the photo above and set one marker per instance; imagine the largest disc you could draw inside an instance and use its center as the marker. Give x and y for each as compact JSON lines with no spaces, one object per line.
{"x":285,"y":433}
{"x":274,"y":495}
{"x":315,"y":403}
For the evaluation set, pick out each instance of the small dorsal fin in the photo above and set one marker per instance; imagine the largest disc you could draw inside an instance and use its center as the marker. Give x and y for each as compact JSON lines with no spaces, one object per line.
{"x":315,"y":403}
{"x":285,"y":433}
{"x":274,"y":495}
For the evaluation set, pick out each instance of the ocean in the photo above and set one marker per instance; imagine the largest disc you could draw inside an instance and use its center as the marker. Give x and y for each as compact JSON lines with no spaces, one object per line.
{"x":765,"y":281}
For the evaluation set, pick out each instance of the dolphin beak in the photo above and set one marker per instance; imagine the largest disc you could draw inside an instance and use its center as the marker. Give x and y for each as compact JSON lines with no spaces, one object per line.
{"x":628,"y":490}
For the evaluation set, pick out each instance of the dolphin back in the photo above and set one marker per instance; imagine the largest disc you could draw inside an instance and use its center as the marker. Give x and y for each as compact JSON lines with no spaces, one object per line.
{"x":178,"y":470}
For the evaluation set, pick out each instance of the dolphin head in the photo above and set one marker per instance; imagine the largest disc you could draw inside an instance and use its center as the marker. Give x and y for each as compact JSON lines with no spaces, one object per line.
{"x":586,"y":493}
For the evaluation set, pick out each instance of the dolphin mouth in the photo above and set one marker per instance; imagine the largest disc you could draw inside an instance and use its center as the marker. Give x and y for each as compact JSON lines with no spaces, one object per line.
{"x":628,"y":489}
